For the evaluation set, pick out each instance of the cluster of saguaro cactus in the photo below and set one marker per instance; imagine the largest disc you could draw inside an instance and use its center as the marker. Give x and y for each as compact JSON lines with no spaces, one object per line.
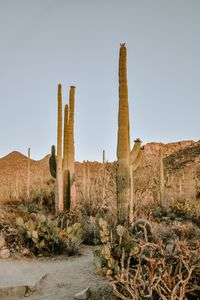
{"x":62,"y":166}
{"x":127,"y":161}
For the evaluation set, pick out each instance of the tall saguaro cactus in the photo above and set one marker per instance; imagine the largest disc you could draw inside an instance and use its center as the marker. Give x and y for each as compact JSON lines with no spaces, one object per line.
{"x":59,"y":173}
{"x":66,"y":175}
{"x":126,"y":159}
{"x":71,"y":150}
{"x":62,"y":166}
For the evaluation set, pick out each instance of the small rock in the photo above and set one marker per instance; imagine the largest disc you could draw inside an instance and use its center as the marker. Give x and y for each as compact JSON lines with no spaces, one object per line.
{"x":85,"y":294}
{"x":2,"y":241}
{"x":25,"y":251}
{"x":4,"y":253}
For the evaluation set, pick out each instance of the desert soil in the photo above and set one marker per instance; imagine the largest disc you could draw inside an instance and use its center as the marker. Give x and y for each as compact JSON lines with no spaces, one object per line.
{"x":57,"y":278}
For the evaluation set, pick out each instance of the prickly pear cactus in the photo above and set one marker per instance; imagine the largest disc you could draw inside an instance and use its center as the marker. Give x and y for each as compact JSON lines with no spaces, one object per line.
{"x":40,"y":232}
{"x":116,"y":242}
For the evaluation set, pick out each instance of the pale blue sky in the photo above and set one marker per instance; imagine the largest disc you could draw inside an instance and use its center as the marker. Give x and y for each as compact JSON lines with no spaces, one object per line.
{"x":45,"y":42}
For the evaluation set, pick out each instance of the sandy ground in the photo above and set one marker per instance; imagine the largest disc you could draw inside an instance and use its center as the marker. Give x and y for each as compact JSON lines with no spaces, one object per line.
{"x":64,"y":278}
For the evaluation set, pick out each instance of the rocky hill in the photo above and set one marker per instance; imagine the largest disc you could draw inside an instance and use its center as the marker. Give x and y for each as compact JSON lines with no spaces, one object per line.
{"x":13,"y":176}
{"x":96,"y":181}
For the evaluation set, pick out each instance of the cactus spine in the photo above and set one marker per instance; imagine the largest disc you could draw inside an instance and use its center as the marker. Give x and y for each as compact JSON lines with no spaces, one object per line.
{"x":62,"y":166}
{"x":52,"y":161}
{"x":126,"y":158}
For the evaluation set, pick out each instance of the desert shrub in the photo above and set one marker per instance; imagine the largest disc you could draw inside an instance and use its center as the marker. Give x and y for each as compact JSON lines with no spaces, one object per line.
{"x":146,"y":267}
{"x":68,"y":218}
{"x":90,"y":207}
{"x":182,"y":208}
{"x":188,"y":210}
{"x":159,"y":211}
{"x":91,"y":232}
{"x":71,"y":246}
{"x":178,"y":231}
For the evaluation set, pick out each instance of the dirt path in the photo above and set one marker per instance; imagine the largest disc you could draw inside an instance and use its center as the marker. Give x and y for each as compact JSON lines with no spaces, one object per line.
{"x":65,"y":278}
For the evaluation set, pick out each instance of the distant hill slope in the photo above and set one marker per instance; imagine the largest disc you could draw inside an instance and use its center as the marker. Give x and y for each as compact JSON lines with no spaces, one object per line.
{"x":13,"y":175}
{"x":182,"y":171}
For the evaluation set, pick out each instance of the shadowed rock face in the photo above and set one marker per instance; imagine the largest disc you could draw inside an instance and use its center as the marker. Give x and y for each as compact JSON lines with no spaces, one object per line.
{"x":182,"y":158}
{"x":181,"y":169}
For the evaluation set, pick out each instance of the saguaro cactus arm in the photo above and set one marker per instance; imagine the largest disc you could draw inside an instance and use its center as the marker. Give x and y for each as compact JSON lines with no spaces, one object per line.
{"x":135,"y":151}
{"x":135,"y":165}
{"x":135,"y":160}
{"x":52,"y":161}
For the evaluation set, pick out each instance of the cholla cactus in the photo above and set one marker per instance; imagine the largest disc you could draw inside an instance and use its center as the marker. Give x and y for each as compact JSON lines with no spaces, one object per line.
{"x":128,"y":161}
{"x":62,"y":167}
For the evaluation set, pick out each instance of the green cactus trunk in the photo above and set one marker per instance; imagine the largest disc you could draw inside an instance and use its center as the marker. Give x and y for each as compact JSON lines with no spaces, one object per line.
{"x":123,"y":179}
{"x":65,"y":141}
{"x":71,"y":149}
{"x":66,"y":175}
{"x":127,"y":161}
{"x":59,"y":173}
